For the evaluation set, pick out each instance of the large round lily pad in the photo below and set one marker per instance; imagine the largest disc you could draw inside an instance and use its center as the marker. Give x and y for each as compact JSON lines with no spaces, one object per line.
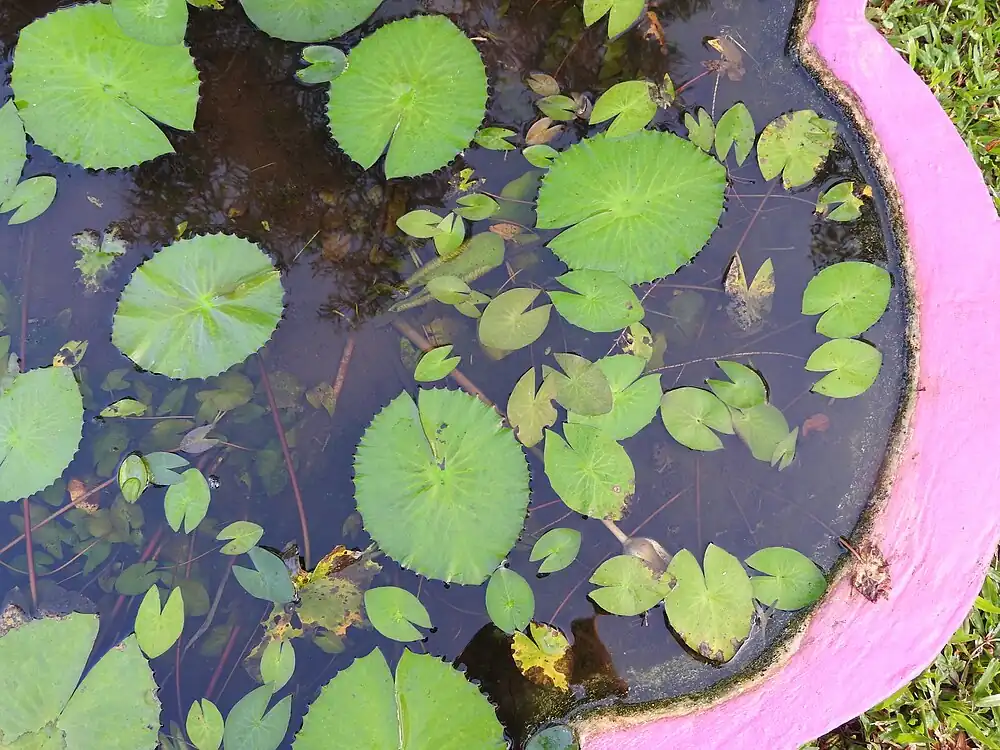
{"x":442,"y":488}
{"x":640,"y":206}
{"x":417,"y":85}
{"x":308,"y":20}
{"x":90,"y":94}
{"x":198,"y":307}
{"x":41,"y":423}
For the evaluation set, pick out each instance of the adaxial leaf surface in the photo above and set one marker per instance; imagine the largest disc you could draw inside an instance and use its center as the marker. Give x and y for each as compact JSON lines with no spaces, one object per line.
{"x":735,"y":128}
{"x":12,"y":149}
{"x":417,"y":85}
{"x":435,"y":364}
{"x":205,"y":725}
{"x":30,"y":199}
{"x":251,"y":726}
{"x":711,"y":611}
{"x":795,"y":146}
{"x":701,"y":129}
{"x":507,"y":323}
{"x":602,"y":302}
{"x":793,"y":581}
{"x":853,"y":366}
{"x":582,"y":386}
{"x":394,"y":611}
{"x":269,"y":581}
{"x":629,"y":103}
{"x":530,"y":411}
{"x":187,"y":501}
{"x":590,"y":472}
{"x":92,"y":95}
{"x":198,"y":307}
{"x":448,"y":464}
{"x":557,"y":549}
{"x":851,"y":295}
{"x":242,"y":536}
{"x":639,"y":207}
{"x":430,"y":706}
{"x":157,"y":630}
{"x":628,"y":586}
{"x":762,"y":428}
{"x":690,"y":416}
{"x":621,"y":13}
{"x":161,"y":22}
{"x":308,"y":20}
{"x":633,"y":402}
{"x":744,"y":389}
{"x":41,"y":423}
{"x":510,"y":601}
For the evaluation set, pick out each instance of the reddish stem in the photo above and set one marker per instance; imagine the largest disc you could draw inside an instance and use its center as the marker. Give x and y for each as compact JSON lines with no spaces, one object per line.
{"x":147,"y":554}
{"x":222,"y":660}
{"x":345,"y":361}
{"x":32,"y":579}
{"x":25,"y":508}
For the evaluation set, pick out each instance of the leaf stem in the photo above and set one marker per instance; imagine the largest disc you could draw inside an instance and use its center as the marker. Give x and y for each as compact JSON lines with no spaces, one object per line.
{"x":25,"y":508}
{"x":345,"y":361}
{"x":731,"y":355}
{"x":306,"y":547}
{"x":222,"y":660}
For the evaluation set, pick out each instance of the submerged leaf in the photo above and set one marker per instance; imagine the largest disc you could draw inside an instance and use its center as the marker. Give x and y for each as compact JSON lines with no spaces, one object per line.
{"x":640,"y":206}
{"x":544,"y":657}
{"x":795,"y":146}
{"x":435,"y":364}
{"x":507,"y":323}
{"x":748,"y":305}
{"x":621,"y":14}
{"x":125,"y":407}
{"x":633,"y":402}
{"x":853,"y":366}
{"x":557,"y":549}
{"x":852,"y":296}
{"x":30,"y":199}
{"x":628,"y":586}
{"x":161,"y":22}
{"x":590,"y":472}
{"x":690,"y":415}
{"x":307,"y":20}
{"x":394,"y":611}
{"x":735,"y":128}
{"x":510,"y":601}
{"x":629,"y":103}
{"x":529,"y":411}
{"x":793,"y":581}
{"x":602,"y":302}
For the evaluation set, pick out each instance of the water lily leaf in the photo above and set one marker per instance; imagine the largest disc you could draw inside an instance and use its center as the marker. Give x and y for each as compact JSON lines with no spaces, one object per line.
{"x":269,"y":581}
{"x":748,"y":305}
{"x":242,"y":535}
{"x":394,"y":612}
{"x":476,"y":207}
{"x":851,"y":295}
{"x":638,"y":342}
{"x":853,"y":366}
{"x":543,"y":84}
{"x":557,"y":549}
{"x":89,"y":93}
{"x":530,"y":411}
{"x":137,"y":578}
{"x":540,"y":155}
{"x":795,"y":146}
{"x":450,"y":235}
{"x":711,"y":611}
{"x":277,"y":665}
{"x":307,"y":20}
{"x":640,"y":206}
{"x":842,"y":193}
{"x":633,"y":402}
{"x":97,"y":255}
{"x":449,"y":464}
{"x":584,"y":388}
{"x":591,"y":473}
{"x":187,"y":501}
{"x":746,"y":390}
{"x":544,"y":657}
{"x":690,"y":415}
{"x":324,"y":63}
{"x":480,"y":255}
{"x":197,"y":441}
{"x":13,"y":144}
{"x":420,"y":223}
{"x":510,"y":602}
{"x":161,"y":467}
{"x":629,"y":103}
{"x":155,"y":630}
{"x":506,"y":325}
{"x":418,"y":85}
{"x":542,"y":131}
{"x":30,"y":199}
{"x":250,"y":726}
{"x":134,"y":477}
{"x":435,"y":364}
{"x":602,"y":302}
{"x":125,"y":407}
{"x":784,"y":451}
{"x":450,"y":290}
{"x":204,"y":725}
{"x":41,"y":423}
{"x":495,"y":139}
{"x":559,"y":737}
{"x":557,"y":107}
{"x":161,"y":22}
{"x":793,"y":581}
{"x":761,"y":428}
{"x":621,"y":13}
{"x":701,"y":131}
{"x":431,"y":706}
{"x":198,"y":307}
{"x":628,"y":586}
{"x":735,"y":128}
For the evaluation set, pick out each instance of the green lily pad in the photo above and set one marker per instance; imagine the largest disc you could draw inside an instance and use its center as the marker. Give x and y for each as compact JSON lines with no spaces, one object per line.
{"x":735,"y":128}
{"x":12,"y":149}
{"x":242,"y":536}
{"x":529,"y":411}
{"x":323,"y":64}
{"x":711,"y":611}
{"x":269,"y":580}
{"x":690,"y":415}
{"x":701,"y":129}
{"x":187,"y":501}
{"x":510,"y":602}
{"x":745,"y":390}
{"x":454,"y":472}
{"x":621,"y":13}
{"x":250,"y":725}
{"x":277,"y":664}
{"x":30,"y":199}
{"x":41,"y":423}
{"x":784,"y":451}
{"x":161,"y":22}
{"x":639,"y":207}
{"x":431,"y":706}
{"x":435,"y":364}
{"x":157,"y":630}
{"x":394,"y":612}
{"x":590,"y":472}
{"x":41,"y":693}
{"x":761,"y":428}
{"x":628,"y":586}
{"x":205,"y":725}
{"x":557,"y":549}
{"x":90,"y":94}
{"x":853,"y":366}
{"x":417,"y":85}
{"x":793,"y":581}
{"x":308,"y":20}
{"x":851,"y":295}
{"x":629,"y":103}
{"x":198,"y":307}
{"x":795,"y":146}
{"x":633,"y":401}
{"x":842,"y":193}
{"x":602,"y":302}
{"x":507,"y":324}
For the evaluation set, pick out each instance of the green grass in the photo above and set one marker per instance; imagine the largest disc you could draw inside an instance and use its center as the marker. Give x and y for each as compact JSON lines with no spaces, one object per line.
{"x":955,"y":47}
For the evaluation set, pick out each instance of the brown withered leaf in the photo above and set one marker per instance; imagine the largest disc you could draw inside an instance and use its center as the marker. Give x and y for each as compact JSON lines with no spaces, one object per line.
{"x":542,"y":131}
{"x":731,"y":61}
{"x":654,"y":30}
{"x":748,"y":304}
{"x":545,"y":658}
{"x":815,"y":423}
{"x":543,"y":84}
{"x":870,"y":575}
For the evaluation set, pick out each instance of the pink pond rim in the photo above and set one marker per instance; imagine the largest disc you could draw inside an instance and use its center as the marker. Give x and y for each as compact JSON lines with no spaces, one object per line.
{"x":938,"y":520}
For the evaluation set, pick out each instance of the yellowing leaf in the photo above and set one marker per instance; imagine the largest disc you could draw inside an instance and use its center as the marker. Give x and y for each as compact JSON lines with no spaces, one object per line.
{"x":749,"y":304}
{"x":530,"y":411}
{"x":544,"y":658}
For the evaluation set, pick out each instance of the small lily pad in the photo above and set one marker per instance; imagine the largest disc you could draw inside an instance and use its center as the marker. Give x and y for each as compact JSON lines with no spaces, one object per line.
{"x":507,"y":324}
{"x":277,"y":664}
{"x":544,"y":657}
{"x":761,"y":428}
{"x":394,"y":612}
{"x":795,"y":146}
{"x":529,"y":411}
{"x":307,"y":20}
{"x":435,"y":364}
{"x":735,"y":128}
{"x":160,"y":22}
{"x":628,"y":586}
{"x":793,"y":581}
{"x":510,"y":601}
{"x":629,"y":103}
{"x":590,"y":472}
{"x":690,"y":416}
{"x":602,"y":302}
{"x":621,"y":14}
{"x":634,"y":400}
{"x":701,"y":129}
{"x":582,"y":387}
{"x":187,"y":501}
{"x":30,"y":199}
{"x":270,"y":581}
{"x":853,"y":366}
{"x":745,"y":390}
{"x":557,"y":549}
{"x":251,"y":725}
{"x":157,"y":630}
{"x":851,"y":295}
{"x":205,"y":725}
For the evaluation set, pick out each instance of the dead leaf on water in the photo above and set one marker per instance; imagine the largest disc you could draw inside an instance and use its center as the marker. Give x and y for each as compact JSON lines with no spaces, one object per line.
{"x":543,"y":85}
{"x":542,"y":131}
{"x":545,"y":657}
{"x":749,"y":304}
{"x":731,"y":62}
{"x":322,"y":396}
{"x":654,"y":30}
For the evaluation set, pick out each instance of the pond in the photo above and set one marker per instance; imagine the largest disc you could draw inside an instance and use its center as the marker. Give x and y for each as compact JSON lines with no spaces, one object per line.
{"x":795,"y":471}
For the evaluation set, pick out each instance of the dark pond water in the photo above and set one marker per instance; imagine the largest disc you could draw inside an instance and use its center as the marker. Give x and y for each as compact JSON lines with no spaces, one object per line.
{"x":262,"y":165}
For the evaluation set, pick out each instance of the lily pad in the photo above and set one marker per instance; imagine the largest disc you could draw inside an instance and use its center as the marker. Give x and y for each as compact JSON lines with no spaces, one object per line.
{"x":639,"y":207}
{"x":842,"y":193}
{"x":701,"y":129}
{"x":507,"y":324}
{"x":394,"y":612}
{"x":430,"y":706}
{"x":161,"y":22}
{"x":252,"y":726}
{"x":269,"y":580}
{"x":582,"y":387}
{"x":795,"y":146}
{"x":510,"y":601}
{"x":41,"y":423}
{"x":851,"y":295}
{"x":590,"y":472}
{"x":242,"y":536}
{"x":690,"y":415}
{"x":735,"y":128}
{"x":30,"y":199}
{"x":633,"y":402}
{"x":629,"y":103}
{"x":308,"y":20}
{"x":12,"y":149}
{"x":435,"y":364}
{"x":41,"y":692}
{"x":853,"y":366}
{"x":602,"y":302}
{"x":277,"y":664}
{"x":204,"y":725}
{"x":92,"y":95}
{"x":761,"y":428}
{"x":744,"y":389}
{"x":557,"y":549}
{"x":530,"y":411}
{"x":711,"y":611}
{"x":621,"y":13}
{"x":198,"y":307}
{"x":628,"y":586}
{"x":793,"y":581}
{"x":456,"y":475}
{"x":157,"y":630}
{"x":417,"y":85}
{"x":187,"y":501}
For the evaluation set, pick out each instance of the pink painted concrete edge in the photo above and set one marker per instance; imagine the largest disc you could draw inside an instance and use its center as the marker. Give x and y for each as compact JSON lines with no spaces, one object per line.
{"x":940,"y":523}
